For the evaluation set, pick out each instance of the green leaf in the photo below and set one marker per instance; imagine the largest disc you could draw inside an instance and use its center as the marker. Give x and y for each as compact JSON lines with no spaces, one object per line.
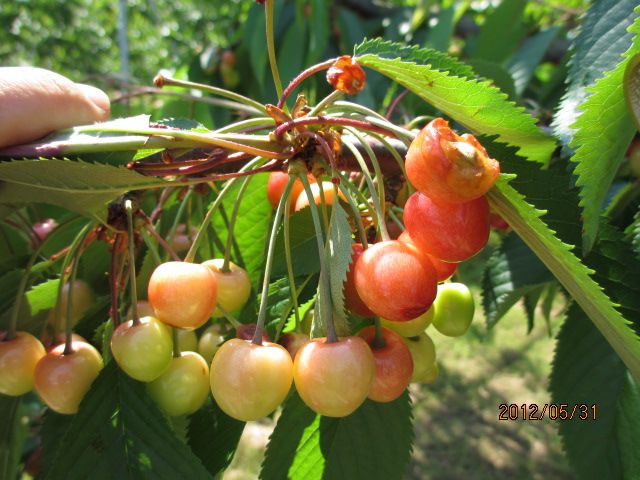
{"x":318,"y":35}
{"x":524,"y":62}
{"x":512,"y":272}
{"x":497,"y":74}
{"x":339,"y":256}
{"x":586,"y":371}
{"x":82,"y":187}
{"x":531,"y":300}
{"x":213,"y":436}
{"x":421,"y":56}
{"x":372,"y":443}
{"x":252,"y":224}
{"x":293,"y":48}
{"x":439,"y":35}
{"x":304,"y":250}
{"x":501,"y":32}
{"x":120,"y":433}
{"x":570,"y":272}
{"x":632,"y":88}
{"x":475,"y":104}
{"x":603,"y":132}
{"x":602,"y":40}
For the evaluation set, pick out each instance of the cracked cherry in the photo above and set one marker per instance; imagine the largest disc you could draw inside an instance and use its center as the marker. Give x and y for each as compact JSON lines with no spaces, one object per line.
{"x":395,"y":280}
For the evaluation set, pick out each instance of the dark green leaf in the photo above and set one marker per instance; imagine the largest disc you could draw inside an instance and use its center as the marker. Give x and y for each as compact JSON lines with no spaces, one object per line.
{"x":120,"y":433}
{"x":304,"y":249}
{"x":512,"y":272}
{"x":586,"y":371}
{"x":372,"y":443}
{"x":213,"y":436}
{"x":11,"y":436}
{"x":602,"y":40}
{"x":339,"y":256}
{"x":632,"y":88}
{"x":528,"y":57}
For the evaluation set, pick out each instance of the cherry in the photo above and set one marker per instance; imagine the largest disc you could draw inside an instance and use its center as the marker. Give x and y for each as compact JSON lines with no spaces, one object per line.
{"x":498,"y":222}
{"x":183,"y":387}
{"x":182,"y":294}
{"x":44,"y":228}
{"x":423,"y":352}
{"x":453,"y":309}
{"x":181,"y":240}
{"x":249,"y":381}
{"x":395,"y":281}
{"x":276,"y":185}
{"x":144,"y":310}
{"x":448,"y":167}
{"x":329,"y":196}
{"x":444,"y":270}
{"x":234,"y":286}
{"x":450,"y":232}
{"x":187,"y":340}
{"x":62,"y":380}
{"x":394,"y":364}
{"x":293,"y":342}
{"x":410,"y":328}
{"x":142,"y":351}
{"x":352,"y":300}
{"x":210,"y":342}
{"x":52,"y":341}
{"x":333,"y":379}
{"x":18,"y":359}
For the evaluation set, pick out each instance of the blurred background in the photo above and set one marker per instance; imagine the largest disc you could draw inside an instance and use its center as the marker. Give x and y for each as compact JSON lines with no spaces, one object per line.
{"x":521,"y":46}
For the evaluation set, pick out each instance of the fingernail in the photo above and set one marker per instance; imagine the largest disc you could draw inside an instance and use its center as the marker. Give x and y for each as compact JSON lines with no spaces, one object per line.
{"x":97,"y":97}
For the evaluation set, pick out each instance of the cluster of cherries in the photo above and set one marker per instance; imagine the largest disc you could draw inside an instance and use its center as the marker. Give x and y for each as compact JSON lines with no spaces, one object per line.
{"x":396,"y":281}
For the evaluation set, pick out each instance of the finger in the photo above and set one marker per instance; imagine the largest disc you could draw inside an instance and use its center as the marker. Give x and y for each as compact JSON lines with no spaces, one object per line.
{"x":35,"y":102}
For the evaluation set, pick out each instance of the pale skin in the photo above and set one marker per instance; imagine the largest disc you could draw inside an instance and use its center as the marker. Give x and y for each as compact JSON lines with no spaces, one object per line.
{"x":35,"y":102}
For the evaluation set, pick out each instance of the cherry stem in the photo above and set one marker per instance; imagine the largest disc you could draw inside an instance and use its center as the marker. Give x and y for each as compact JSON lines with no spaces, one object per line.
{"x":339,"y":121}
{"x":128,"y":206}
{"x":176,"y":343}
{"x":232,"y":222}
{"x":248,"y":124}
{"x":72,"y":253}
{"x":162,"y":80}
{"x":378,"y":339}
{"x":171,"y":235}
{"x":262,"y":313}
{"x":230,"y":318}
{"x":395,"y":103}
{"x":325,"y":102}
{"x":325,"y":298}
{"x":165,"y":245}
{"x":395,"y":218}
{"x":302,"y":76}
{"x":374,"y":199}
{"x":113,"y":280}
{"x":346,"y":186}
{"x":191,"y":254}
{"x":287,"y":311}
{"x":271,"y":49}
{"x":289,"y":261}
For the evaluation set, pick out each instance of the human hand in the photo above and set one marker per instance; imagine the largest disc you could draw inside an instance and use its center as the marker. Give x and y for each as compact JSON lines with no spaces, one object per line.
{"x":35,"y":102}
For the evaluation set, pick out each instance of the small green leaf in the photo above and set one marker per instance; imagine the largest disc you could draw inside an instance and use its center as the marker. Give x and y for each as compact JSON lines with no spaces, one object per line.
{"x":213,"y":436}
{"x":339,"y":256}
{"x":501,"y":32}
{"x":372,"y":443}
{"x":120,"y":433}
{"x":475,"y":104}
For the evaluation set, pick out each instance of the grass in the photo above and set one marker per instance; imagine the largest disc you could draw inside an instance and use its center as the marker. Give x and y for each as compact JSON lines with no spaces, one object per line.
{"x":457,"y":431}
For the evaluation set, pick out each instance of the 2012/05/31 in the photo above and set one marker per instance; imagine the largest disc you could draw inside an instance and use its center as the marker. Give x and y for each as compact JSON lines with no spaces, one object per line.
{"x":552,"y":411}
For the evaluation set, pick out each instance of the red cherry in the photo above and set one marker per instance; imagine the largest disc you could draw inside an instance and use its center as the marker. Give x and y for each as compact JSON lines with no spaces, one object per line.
{"x":394,"y":364}
{"x":448,"y":231}
{"x":448,"y":167}
{"x":498,"y":222}
{"x":293,"y":341}
{"x":352,"y":300}
{"x":395,"y":280}
{"x":444,"y":270}
{"x":275,"y":188}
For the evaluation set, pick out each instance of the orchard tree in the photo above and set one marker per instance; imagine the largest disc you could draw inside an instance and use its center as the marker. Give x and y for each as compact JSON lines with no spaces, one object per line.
{"x":165,"y":282}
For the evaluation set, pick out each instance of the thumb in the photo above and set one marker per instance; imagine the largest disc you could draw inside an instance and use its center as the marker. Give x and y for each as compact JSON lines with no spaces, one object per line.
{"x":35,"y":102}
